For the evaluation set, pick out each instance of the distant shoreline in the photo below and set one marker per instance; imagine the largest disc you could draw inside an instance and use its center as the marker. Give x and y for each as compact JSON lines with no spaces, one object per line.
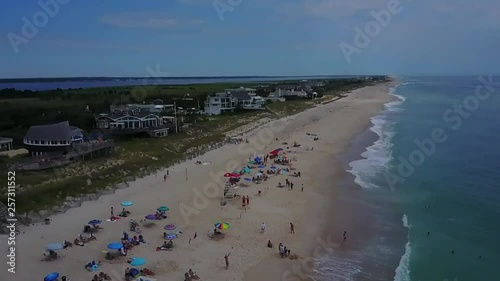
{"x":47,"y":84}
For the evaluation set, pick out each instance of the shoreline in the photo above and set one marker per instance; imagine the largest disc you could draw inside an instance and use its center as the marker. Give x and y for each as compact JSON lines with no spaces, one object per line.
{"x":314,"y":241}
{"x":276,"y":206}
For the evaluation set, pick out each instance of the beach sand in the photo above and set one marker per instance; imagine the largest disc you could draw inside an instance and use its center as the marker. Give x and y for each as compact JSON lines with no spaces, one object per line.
{"x":193,"y":194}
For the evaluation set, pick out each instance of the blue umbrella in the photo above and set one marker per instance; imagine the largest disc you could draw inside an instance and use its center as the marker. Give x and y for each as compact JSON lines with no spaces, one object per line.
{"x":94,"y":222}
{"x":51,"y":276}
{"x":257,"y":159}
{"x":137,"y":261}
{"x":115,"y":246}
{"x":248,"y":179}
{"x":54,"y":246}
{"x":262,"y":166}
{"x":273,"y":167}
{"x":126,"y":203}
{"x":151,"y":217}
{"x":134,"y":272}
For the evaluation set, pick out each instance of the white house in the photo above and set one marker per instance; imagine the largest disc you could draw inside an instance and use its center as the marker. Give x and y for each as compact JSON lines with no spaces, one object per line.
{"x":280,"y":95}
{"x":245,"y":98}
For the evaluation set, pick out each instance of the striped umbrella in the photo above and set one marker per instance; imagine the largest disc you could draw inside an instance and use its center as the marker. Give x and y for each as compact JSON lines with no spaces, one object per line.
{"x":54,"y":246}
{"x":222,"y":225}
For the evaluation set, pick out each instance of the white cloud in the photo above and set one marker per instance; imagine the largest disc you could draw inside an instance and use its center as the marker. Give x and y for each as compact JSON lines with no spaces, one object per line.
{"x":139,"y":20}
{"x":148,"y":20}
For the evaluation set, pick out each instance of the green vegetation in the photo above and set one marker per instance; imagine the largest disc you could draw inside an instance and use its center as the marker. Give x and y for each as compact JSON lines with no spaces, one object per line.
{"x":134,"y":157}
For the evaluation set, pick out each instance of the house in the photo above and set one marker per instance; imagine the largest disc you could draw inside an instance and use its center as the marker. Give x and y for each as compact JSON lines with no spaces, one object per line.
{"x":280,"y":95}
{"x":138,"y":118}
{"x":245,"y":98}
{"x":57,"y":137}
{"x":5,"y":144}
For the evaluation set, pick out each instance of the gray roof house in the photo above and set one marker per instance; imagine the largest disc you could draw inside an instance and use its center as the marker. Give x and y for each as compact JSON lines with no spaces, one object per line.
{"x":54,"y":134}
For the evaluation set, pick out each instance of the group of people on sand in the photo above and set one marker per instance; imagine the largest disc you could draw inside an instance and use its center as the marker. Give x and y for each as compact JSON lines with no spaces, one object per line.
{"x":190,"y":275}
{"x":101,"y":277}
{"x":132,"y":273}
{"x":124,"y":213}
{"x":245,"y":201}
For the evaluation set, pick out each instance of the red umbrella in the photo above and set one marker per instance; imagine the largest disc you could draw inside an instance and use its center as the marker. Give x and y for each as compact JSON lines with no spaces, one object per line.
{"x":274,"y":152}
{"x":231,"y":175}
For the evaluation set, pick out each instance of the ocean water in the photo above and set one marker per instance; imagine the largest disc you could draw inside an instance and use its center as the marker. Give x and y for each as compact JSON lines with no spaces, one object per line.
{"x":430,"y":186}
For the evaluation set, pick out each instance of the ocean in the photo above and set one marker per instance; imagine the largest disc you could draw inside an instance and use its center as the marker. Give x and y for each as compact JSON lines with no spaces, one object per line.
{"x":425,"y":205}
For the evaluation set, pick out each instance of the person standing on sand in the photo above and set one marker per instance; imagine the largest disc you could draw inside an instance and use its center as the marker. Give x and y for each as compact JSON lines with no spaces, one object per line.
{"x":291,"y":186}
{"x":168,"y":173}
{"x":262,"y":228}
{"x":302,"y":189}
{"x":165,"y":177}
{"x":292,"y":228}
{"x":112,"y":212}
{"x":345,"y":236}
{"x":226,"y":258}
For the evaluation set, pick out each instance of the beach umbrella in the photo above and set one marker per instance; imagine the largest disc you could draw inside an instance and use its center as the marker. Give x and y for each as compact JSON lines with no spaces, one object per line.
{"x":262,"y":166}
{"x":54,"y":246}
{"x":163,"y":209}
{"x":232,"y":175}
{"x":126,"y":203}
{"x":134,"y":272}
{"x":94,"y":222}
{"x":273,"y":167}
{"x":257,"y":159}
{"x":170,"y":227}
{"x":137,"y":261}
{"x":258,"y":174}
{"x":115,"y":246}
{"x":51,"y":276}
{"x":150,"y":217}
{"x":247,"y":179}
{"x":222,"y":225}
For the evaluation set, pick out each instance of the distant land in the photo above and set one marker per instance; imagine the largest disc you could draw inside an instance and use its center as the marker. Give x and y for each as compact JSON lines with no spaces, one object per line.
{"x":46,"y":84}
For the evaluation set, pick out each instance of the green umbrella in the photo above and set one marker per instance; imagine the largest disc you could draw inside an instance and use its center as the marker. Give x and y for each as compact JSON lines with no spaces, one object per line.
{"x":163,"y":209}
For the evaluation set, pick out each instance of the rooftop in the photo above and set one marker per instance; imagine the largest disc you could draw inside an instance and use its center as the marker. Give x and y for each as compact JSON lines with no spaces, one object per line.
{"x":53,"y":132}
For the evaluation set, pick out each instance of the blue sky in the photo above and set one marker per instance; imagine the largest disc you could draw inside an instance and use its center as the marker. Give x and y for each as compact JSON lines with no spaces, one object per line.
{"x":251,"y":37}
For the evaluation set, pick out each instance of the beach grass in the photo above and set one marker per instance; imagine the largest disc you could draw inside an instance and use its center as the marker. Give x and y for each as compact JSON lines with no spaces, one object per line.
{"x":136,"y":157}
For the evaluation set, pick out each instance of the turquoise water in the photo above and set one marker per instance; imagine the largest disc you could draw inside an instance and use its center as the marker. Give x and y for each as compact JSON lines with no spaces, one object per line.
{"x":455,"y":193}
{"x":449,"y":187}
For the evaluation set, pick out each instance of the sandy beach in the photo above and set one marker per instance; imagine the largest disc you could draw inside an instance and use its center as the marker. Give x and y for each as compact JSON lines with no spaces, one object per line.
{"x":193,"y":193}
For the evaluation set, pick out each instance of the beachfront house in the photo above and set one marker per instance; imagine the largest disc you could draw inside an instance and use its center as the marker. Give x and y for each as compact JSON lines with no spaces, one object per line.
{"x":231,"y":99}
{"x":281,"y":95}
{"x":51,"y":138}
{"x":138,"y":118}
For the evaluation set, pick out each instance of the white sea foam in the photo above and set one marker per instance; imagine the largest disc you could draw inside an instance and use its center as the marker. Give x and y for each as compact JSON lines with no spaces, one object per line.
{"x":403,"y":270}
{"x":375,"y":160}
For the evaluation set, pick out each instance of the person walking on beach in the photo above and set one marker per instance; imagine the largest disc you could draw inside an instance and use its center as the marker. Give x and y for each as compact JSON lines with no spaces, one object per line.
{"x":262,"y":228}
{"x":168,"y":173}
{"x":292,"y":228}
{"x":345,"y":236}
{"x":226,"y":258}
{"x":165,"y":177}
{"x":291,"y":186}
{"x":287,"y":183}
{"x":248,"y":200}
{"x":302,"y":189}
{"x":112,"y":212}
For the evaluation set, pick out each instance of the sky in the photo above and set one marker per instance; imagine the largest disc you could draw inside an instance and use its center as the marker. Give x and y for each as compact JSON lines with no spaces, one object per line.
{"x":70,"y":38}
